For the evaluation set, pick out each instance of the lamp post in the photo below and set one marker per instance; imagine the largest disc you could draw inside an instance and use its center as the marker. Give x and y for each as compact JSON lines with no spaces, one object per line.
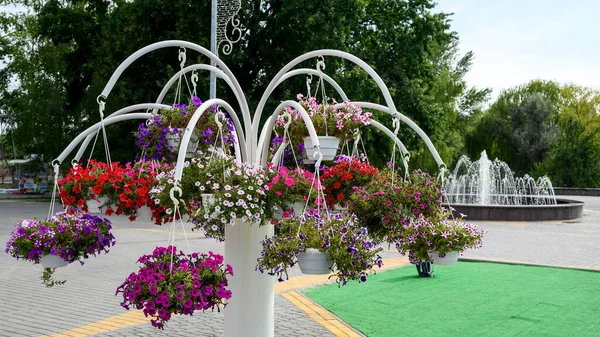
{"x":223,"y":13}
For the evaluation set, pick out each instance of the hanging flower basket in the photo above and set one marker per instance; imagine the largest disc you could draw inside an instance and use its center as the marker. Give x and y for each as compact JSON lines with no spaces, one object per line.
{"x":340,"y":125}
{"x":314,"y":262}
{"x":329,"y":146}
{"x":160,"y":138}
{"x":63,"y":239}
{"x":170,"y":282}
{"x":318,"y":243}
{"x":342,"y":179}
{"x":448,"y":259}
{"x":290,"y":189}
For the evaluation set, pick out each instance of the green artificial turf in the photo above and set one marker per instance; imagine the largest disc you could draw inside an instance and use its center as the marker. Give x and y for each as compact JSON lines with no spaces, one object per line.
{"x":469,"y":299}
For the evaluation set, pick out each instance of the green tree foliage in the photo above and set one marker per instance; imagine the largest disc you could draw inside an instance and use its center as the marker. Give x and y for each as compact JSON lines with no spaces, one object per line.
{"x":543,"y":128}
{"x":63,"y":52}
{"x":574,"y":160}
{"x":518,"y":127}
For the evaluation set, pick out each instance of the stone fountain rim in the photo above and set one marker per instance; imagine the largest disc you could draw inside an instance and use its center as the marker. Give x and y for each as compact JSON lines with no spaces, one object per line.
{"x":566,"y":203}
{"x":567,"y":209}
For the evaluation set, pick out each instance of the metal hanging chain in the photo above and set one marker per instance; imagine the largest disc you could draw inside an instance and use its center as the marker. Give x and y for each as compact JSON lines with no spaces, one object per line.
{"x":286,"y":140}
{"x":396,"y":125}
{"x":317,"y":177}
{"x":194,"y":80}
{"x":91,"y":152}
{"x":182,"y":58}
{"x":176,"y":211}
{"x":101,"y":107}
{"x":54,"y":189}
{"x":308,"y":82}
{"x":320,"y":68}
{"x":219,"y":119}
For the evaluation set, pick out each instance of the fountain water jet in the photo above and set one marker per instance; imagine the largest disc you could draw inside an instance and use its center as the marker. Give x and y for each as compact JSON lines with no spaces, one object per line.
{"x":486,"y":182}
{"x":488,"y":190}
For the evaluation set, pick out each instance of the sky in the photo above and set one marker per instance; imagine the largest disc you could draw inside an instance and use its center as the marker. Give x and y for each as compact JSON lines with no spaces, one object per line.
{"x":515,"y":42}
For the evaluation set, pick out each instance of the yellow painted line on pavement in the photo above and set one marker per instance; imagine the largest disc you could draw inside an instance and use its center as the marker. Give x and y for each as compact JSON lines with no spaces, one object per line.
{"x":304,"y":281}
{"x":330,"y":322}
{"x":319,"y":315}
{"x":130,"y":318}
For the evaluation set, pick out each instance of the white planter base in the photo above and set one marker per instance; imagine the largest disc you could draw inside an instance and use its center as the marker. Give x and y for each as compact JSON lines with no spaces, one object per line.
{"x":52,"y":261}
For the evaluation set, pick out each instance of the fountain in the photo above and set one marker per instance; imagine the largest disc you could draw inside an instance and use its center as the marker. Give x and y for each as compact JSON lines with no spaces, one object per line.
{"x":488,"y":190}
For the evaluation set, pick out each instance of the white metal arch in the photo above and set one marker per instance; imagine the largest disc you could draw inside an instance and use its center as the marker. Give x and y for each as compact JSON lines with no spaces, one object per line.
{"x":390,"y":109}
{"x":409,"y":122}
{"x":308,"y":71}
{"x":188,"y":45}
{"x":218,"y":72}
{"x":131,"y":108}
{"x":92,"y":129}
{"x":185,"y":140}
{"x":271,"y":122}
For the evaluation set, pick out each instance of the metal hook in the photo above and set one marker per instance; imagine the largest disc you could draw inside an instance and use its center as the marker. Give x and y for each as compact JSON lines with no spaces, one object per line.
{"x":308,"y":83}
{"x":56,"y":171}
{"x":396,"y":125}
{"x":220,"y":115}
{"x":318,"y":156}
{"x":288,"y":122}
{"x":172,"y":194}
{"x":182,"y":56}
{"x":320,"y":64}
{"x":194,"y":79}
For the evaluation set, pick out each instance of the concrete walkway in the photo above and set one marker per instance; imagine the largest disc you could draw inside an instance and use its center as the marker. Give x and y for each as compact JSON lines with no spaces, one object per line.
{"x":86,"y":304}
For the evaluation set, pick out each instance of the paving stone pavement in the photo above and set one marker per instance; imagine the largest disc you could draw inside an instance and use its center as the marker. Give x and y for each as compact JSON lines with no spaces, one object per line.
{"x":29,"y":309}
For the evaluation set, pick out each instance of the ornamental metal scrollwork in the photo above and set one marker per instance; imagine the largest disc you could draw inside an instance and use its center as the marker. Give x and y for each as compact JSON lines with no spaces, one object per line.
{"x":227,"y":11}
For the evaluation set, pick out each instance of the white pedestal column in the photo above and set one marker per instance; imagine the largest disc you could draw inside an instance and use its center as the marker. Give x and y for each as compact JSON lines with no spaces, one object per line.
{"x":250,"y":310}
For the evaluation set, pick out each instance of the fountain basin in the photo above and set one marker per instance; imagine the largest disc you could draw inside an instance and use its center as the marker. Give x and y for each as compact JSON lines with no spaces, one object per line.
{"x":564,"y":209}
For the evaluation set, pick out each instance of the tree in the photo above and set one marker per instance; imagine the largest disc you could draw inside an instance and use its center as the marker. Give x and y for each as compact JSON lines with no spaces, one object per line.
{"x":518,"y":127}
{"x":575,"y":156}
{"x":409,"y":46}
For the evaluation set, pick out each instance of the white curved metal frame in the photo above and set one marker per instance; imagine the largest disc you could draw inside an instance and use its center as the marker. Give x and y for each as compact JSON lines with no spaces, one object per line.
{"x":390,"y":108}
{"x":94,"y":128}
{"x":250,"y":313}
{"x":131,"y":108}
{"x":244,"y":110}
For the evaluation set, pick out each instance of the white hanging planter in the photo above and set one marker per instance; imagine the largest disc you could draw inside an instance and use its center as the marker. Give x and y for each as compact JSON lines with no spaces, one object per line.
{"x":297,"y":207}
{"x":52,"y":261}
{"x":208,"y":200}
{"x":340,"y":209}
{"x":329,"y":146}
{"x":314,"y":262}
{"x":144,"y":214}
{"x":174,"y":140}
{"x":95,"y":205}
{"x":448,"y":260}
